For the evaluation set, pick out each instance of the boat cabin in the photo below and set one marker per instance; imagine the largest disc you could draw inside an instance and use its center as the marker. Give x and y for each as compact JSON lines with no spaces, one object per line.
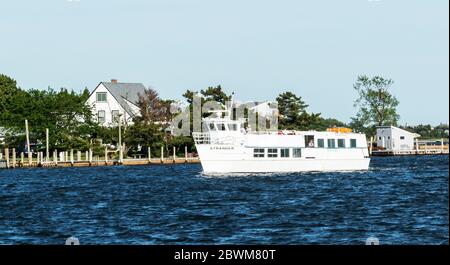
{"x":221,"y":125}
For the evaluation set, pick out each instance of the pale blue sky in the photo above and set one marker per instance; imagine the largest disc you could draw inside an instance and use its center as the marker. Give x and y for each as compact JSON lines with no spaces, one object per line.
{"x":255,"y":48}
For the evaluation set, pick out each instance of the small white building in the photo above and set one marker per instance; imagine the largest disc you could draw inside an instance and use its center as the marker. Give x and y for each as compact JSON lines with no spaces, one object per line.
{"x":111,"y":99}
{"x":395,"y":139}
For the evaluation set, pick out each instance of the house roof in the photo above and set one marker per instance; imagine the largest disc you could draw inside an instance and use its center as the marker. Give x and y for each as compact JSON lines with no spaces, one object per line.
{"x":396,"y":128}
{"x":125,"y":93}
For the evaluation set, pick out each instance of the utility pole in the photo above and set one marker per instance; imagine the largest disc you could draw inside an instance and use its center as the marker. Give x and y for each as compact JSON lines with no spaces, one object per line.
{"x":27,"y":133}
{"x":47,"y":152}
{"x":120,"y":141}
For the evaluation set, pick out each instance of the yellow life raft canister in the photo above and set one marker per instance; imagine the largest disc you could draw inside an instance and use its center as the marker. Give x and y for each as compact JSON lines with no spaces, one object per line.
{"x":339,"y":130}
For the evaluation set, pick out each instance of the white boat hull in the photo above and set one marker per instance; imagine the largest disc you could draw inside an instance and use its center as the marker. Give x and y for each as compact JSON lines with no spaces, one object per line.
{"x":243,"y":166}
{"x":234,"y":152}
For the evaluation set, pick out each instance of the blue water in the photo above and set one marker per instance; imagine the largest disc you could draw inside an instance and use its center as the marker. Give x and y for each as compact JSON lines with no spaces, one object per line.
{"x":400,"y":200}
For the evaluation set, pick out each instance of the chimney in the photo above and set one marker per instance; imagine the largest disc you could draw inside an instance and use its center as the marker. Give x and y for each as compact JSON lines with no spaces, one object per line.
{"x":114,"y":81}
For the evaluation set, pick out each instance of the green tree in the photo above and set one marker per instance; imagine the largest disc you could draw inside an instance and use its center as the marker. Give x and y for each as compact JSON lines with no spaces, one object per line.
{"x":377,"y":106}
{"x":293,"y":115}
{"x":322,"y":124}
{"x":143,"y":135}
{"x":215,"y":94}
{"x":427,"y":131}
{"x":210,"y":94}
{"x":153,"y":108}
{"x":64,"y":113}
{"x":179,"y":142}
{"x":8,"y":89}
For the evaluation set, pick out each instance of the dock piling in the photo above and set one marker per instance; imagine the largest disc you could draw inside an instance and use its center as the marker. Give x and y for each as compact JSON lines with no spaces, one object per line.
{"x":13,"y":157}
{"x":417,"y":146}
{"x":27,"y":134}
{"x":7,"y":157}
{"x":55,"y":156}
{"x":174,"y":153}
{"x":47,"y":152}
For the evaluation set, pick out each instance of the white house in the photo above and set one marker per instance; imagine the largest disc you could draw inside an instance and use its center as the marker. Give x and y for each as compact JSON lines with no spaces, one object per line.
{"x":111,"y":99}
{"x":395,"y":139}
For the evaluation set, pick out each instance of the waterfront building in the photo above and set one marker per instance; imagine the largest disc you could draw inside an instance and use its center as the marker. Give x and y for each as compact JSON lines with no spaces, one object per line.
{"x":111,"y":99}
{"x":395,"y":139}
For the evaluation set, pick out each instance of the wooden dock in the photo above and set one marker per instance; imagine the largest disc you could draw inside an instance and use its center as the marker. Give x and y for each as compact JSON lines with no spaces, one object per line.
{"x":408,"y":152}
{"x":420,"y":150}
{"x":97,"y":163}
{"x":9,"y":159}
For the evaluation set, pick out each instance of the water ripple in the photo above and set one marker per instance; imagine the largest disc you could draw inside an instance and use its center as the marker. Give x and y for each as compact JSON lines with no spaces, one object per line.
{"x":400,"y":200}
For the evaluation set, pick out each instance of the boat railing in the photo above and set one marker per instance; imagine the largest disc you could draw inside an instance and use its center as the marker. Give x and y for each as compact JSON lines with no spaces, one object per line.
{"x":205,"y":138}
{"x":201,"y":138}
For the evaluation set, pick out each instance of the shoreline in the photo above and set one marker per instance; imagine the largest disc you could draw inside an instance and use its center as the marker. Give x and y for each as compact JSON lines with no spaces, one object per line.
{"x":167,"y":161}
{"x":99,"y":163}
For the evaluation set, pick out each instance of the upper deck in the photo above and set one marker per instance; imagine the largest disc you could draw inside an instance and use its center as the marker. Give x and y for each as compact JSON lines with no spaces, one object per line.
{"x":228,"y":132}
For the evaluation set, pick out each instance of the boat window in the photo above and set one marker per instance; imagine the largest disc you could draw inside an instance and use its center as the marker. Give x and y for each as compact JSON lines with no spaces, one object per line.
{"x":258,"y":152}
{"x":297,"y":152}
{"x":320,"y":143}
{"x":211,"y":126}
{"x":352,"y":143}
{"x":402,"y":137}
{"x":272,"y":152}
{"x":232,"y":127}
{"x":221,"y":127}
{"x":309,"y":140}
{"x":284,"y":152}
{"x":341,"y":143}
{"x":331,"y":143}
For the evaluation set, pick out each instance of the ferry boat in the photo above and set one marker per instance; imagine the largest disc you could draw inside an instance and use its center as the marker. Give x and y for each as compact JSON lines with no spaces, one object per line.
{"x":225,"y":146}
